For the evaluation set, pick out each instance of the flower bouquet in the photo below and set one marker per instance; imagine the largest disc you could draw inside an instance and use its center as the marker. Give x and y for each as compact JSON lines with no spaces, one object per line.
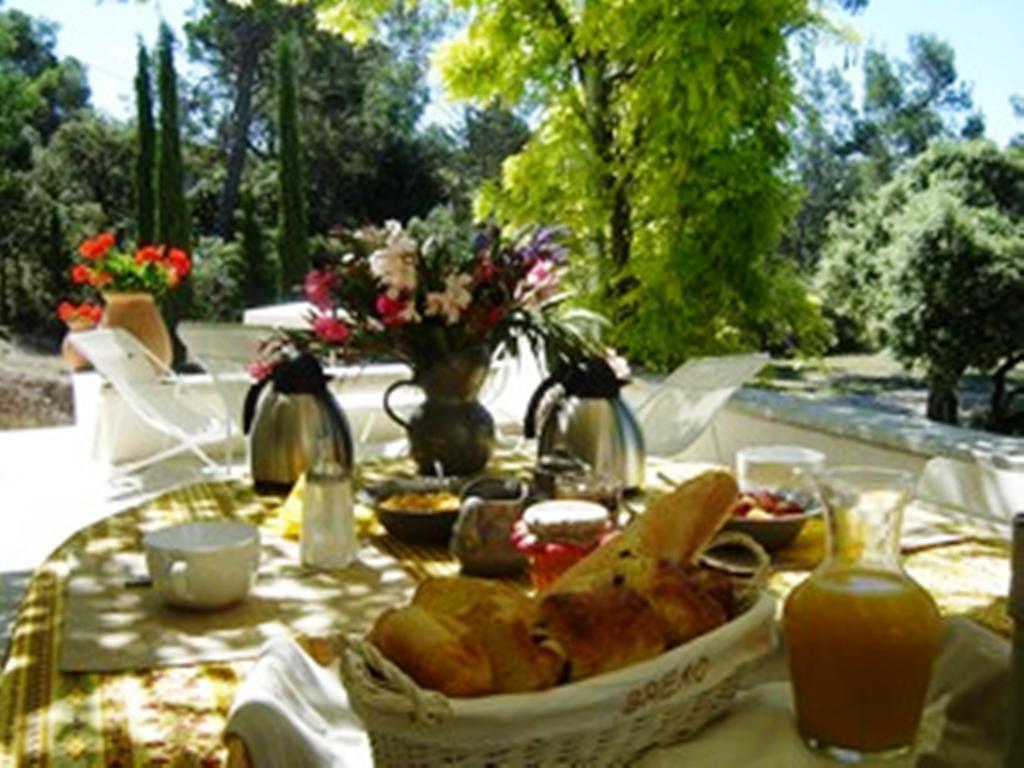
{"x":150,"y":269}
{"x":444,"y":300}
{"x":130,"y":282}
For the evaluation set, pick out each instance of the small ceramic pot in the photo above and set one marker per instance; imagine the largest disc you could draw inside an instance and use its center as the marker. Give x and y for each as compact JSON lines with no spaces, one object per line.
{"x":482,"y":536}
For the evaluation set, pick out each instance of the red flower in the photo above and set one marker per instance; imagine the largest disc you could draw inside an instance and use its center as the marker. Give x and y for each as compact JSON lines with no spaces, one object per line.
{"x":84,"y":313}
{"x":97,"y":246}
{"x":179,"y":262}
{"x":81,"y":275}
{"x":493,"y":316}
{"x":331,"y":329}
{"x":393,"y":312}
{"x":149,"y":253}
{"x":318,"y":286}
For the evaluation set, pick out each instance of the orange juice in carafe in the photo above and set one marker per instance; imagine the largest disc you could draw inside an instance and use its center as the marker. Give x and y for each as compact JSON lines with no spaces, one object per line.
{"x":861,"y":645}
{"x":861,"y":635}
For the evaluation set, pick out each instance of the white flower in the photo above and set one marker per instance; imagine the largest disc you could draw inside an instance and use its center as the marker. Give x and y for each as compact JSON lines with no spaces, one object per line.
{"x":455,"y":298}
{"x":395,"y":266}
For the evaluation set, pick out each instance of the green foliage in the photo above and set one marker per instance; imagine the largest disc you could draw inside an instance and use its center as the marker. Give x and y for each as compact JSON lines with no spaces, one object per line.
{"x":658,"y":143}
{"x":293,"y":223}
{"x":145,"y":159}
{"x":260,"y":280}
{"x":172,"y":219}
{"x":933,"y":265}
{"x":910,"y":104}
{"x":216,"y":280}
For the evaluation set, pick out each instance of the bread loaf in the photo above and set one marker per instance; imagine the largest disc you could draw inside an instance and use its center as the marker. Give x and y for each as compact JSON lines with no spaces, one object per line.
{"x":435,"y":650}
{"x":503,"y":621}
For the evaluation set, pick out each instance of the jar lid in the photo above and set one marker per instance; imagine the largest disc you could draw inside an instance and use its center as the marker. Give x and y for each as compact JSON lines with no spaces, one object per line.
{"x":573,"y":521}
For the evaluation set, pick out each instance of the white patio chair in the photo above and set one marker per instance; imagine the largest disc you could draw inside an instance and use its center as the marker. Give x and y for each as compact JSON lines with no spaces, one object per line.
{"x":681,"y":407}
{"x":158,"y":396}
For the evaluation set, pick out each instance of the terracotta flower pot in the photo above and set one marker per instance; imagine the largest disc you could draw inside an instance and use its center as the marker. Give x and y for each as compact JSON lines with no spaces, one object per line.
{"x":74,"y":359}
{"x":139,"y":314}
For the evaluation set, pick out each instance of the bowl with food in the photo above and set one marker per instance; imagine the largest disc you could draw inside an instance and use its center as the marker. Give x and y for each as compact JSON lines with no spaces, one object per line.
{"x":419,"y":510}
{"x":772,"y":518}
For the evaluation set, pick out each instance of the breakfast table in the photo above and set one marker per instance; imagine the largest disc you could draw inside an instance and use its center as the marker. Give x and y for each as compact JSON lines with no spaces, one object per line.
{"x":130,"y":701}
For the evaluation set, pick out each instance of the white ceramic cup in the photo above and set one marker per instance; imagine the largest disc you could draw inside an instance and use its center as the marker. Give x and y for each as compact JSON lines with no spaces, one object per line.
{"x":203,"y":565}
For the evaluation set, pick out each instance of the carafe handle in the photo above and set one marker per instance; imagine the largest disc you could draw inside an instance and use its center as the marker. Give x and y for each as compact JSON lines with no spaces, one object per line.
{"x":387,"y":405}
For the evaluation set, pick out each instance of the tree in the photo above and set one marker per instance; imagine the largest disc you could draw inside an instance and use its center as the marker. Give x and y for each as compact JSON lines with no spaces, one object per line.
{"x":293,"y":227}
{"x":821,"y":138}
{"x":934,"y":261}
{"x":172,"y":219}
{"x":909,"y":104}
{"x":173,"y":226}
{"x":260,"y":282}
{"x":234,"y":42}
{"x":1017,"y":102}
{"x":145,"y":203}
{"x":657,"y":142}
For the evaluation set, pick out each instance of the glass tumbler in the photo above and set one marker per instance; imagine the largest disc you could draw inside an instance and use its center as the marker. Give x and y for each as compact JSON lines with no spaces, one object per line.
{"x":861,"y":635}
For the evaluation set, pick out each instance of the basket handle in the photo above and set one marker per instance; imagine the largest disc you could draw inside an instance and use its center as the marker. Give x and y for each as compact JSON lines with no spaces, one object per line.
{"x":757,"y":581}
{"x":375,"y":680}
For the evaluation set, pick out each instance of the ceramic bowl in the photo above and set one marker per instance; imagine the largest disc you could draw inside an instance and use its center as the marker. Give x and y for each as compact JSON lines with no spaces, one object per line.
{"x":780,"y":531}
{"x":417,"y":525}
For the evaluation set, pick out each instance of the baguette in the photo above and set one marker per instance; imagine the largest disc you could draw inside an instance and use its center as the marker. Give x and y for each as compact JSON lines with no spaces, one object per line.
{"x":676,"y":527}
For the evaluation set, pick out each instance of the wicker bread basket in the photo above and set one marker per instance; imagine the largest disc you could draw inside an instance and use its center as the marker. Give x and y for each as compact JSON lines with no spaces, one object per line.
{"x":601,"y":721}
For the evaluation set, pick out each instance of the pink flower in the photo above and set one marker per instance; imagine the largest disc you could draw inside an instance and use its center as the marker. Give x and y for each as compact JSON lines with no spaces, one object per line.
{"x":318,"y":286}
{"x":331,"y":329}
{"x":260,"y":369}
{"x":540,"y":282}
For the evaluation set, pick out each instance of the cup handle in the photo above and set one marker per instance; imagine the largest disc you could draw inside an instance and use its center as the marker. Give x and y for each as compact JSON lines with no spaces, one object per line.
{"x":387,"y":405}
{"x":178,"y":574}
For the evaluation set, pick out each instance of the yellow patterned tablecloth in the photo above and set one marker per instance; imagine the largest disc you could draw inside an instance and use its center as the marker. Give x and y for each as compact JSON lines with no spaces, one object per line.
{"x":174,"y":716}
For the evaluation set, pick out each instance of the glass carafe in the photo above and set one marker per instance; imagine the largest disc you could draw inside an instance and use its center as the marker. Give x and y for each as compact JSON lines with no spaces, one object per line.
{"x":861,"y":634}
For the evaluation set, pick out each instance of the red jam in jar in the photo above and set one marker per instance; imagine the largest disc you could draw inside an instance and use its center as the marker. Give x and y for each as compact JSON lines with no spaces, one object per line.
{"x":556,"y":534}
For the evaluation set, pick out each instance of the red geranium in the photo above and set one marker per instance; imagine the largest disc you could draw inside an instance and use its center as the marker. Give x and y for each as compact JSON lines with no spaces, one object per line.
{"x":80,"y":314}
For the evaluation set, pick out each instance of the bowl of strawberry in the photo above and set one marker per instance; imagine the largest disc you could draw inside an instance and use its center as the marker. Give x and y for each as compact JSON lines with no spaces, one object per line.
{"x":772,"y":518}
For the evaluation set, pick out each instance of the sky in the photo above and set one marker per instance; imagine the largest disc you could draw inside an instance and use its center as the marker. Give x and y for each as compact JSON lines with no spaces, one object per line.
{"x":984,"y":33}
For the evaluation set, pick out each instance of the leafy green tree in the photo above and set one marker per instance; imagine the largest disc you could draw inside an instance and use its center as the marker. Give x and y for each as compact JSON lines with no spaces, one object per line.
{"x":293,"y":227}
{"x":910,"y":104}
{"x":1017,"y":102}
{"x":658,"y":142}
{"x":821,"y":161}
{"x":932,"y":264}
{"x":145,"y":203}
{"x":235,"y":42}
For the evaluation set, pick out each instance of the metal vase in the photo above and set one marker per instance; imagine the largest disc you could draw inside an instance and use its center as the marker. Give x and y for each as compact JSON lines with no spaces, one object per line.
{"x":451,"y":432}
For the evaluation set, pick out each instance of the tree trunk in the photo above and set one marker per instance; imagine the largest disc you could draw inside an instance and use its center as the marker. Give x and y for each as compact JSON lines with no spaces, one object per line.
{"x":239,"y":141}
{"x":999,"y":404}
{"x":942,"y":400}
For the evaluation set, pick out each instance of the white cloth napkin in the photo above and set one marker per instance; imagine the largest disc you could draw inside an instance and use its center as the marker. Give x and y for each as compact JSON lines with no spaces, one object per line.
{"x":292,"y":712}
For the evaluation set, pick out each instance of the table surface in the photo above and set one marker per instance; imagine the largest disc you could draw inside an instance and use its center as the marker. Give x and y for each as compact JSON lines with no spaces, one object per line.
{"x":175,"y":715}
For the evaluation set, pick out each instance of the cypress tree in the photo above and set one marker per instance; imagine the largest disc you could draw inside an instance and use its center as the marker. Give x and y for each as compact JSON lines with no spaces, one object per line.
{"x":260,"y":279}
{"x":146,"y":137}
{"x":171,"y":214}
{"x":291,"y":238}
{"x":172,"y":219}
